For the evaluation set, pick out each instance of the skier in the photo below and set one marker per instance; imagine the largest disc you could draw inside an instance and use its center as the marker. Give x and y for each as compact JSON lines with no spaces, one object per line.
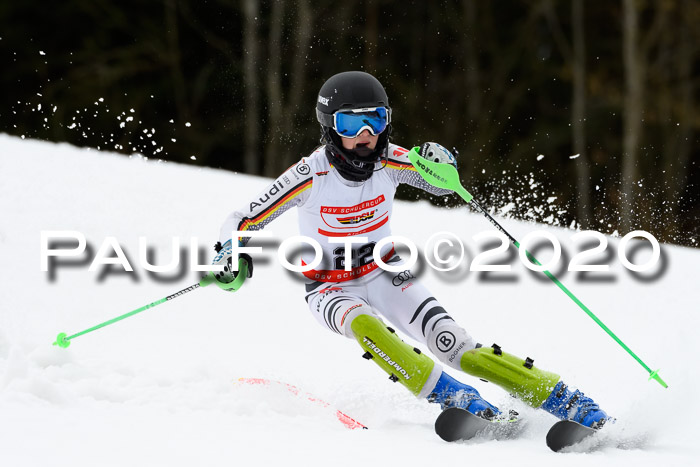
{"x":345,"y":188}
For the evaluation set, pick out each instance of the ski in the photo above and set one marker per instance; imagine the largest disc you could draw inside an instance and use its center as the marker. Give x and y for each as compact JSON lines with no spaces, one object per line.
{"x":566,"y":433}
{"x":347,"y":421}
{"x":456,"y":424}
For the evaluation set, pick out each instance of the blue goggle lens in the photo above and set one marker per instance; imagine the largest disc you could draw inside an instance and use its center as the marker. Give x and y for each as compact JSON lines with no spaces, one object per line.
{"x":351,"y":123}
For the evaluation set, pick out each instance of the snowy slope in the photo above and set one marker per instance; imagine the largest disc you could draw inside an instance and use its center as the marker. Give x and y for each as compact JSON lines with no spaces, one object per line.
{"x":158,"y":388}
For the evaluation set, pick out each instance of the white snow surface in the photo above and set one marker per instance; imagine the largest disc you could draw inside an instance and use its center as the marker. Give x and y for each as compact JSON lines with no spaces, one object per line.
{"x":159,"y":388}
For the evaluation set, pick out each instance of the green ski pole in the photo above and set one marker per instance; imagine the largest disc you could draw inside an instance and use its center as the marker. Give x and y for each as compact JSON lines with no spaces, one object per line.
{"x":63,"y":340}
{"x":446,"y":176}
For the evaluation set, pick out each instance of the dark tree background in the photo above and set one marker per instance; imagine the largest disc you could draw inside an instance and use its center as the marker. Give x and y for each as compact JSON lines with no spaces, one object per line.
{"x":563,"y":111}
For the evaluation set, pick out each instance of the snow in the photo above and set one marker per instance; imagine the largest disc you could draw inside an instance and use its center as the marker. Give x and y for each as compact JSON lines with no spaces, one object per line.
{"x":159,"y":388}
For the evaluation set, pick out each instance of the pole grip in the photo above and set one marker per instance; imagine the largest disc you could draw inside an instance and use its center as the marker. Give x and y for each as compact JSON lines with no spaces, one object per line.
{"x":232,"y":286}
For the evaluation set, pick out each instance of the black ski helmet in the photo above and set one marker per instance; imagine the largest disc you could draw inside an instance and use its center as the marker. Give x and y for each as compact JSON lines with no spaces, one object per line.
{"x":344,"y":91}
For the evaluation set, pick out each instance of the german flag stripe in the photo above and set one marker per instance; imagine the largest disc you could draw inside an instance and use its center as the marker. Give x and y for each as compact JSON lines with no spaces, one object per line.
{"x":399,"y":165}
{"x":267,"y":212}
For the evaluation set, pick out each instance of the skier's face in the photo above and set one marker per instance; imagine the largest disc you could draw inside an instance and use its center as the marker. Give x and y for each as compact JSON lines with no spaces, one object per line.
{"x":364,"y":139}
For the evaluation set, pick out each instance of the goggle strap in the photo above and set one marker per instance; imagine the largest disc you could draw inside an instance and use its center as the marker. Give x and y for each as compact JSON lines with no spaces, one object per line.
{"x":325,"y":119}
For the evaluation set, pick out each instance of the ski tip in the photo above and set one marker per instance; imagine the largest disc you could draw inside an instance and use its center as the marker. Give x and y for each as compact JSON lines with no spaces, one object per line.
{"x":566,"y":433}
{"x":655,"y":375}
{"x":61,"y":340}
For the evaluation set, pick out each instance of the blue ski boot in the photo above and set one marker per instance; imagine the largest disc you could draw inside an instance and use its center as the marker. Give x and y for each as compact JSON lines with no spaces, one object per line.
{"x":574,"y":405}
{"x":449,"y":392}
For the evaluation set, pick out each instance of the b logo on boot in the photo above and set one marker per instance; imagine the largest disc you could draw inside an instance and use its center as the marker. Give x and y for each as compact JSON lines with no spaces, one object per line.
{"x":445,"y":341}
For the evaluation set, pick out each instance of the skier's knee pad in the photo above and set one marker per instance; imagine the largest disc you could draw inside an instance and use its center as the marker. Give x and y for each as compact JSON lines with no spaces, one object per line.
{"x":519,"y":377}
{"x":448,"y":342}
{"x":403,"y":362}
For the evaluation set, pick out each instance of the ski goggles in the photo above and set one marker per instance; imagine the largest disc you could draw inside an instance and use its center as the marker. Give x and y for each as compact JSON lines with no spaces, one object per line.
{"x":350,"y":123}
